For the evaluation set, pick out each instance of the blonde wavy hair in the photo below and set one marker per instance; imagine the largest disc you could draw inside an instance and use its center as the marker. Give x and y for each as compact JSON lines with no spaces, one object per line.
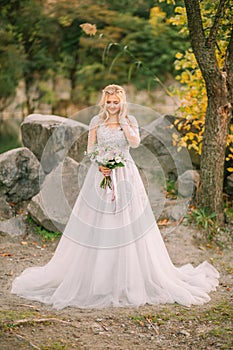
{"x":118,"y":91}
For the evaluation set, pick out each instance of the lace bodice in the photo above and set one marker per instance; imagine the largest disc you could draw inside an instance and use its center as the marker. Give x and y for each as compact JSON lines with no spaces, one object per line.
{"x":104,"y":135}
{"x":113,"y":137}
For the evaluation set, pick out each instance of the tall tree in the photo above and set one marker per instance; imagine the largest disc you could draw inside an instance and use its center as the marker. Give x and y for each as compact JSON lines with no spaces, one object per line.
{"x":219,"y":86}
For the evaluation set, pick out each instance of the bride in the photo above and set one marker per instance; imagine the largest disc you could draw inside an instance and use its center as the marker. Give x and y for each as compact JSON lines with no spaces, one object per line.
{"x":111,"y":252}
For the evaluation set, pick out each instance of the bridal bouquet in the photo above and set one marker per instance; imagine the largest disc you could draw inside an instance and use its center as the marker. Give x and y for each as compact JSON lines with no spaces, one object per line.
{"x":110,"y":158}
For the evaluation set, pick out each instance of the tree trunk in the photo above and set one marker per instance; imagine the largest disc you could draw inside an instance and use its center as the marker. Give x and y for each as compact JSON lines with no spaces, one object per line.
{"x":213,"y":156}
{"x":218,"y":112}
{"x":217,"y":120}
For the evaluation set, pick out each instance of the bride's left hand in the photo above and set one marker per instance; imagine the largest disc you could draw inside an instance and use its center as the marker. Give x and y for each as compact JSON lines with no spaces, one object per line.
{"x":104,"y":170}
{"x":123,"y":121}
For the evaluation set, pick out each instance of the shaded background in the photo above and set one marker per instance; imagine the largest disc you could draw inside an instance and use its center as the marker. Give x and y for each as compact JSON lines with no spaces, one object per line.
{"x":49,"y":65}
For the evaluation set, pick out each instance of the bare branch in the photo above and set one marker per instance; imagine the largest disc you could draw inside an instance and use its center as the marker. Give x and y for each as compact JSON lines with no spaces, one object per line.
{"x":211,"y":40}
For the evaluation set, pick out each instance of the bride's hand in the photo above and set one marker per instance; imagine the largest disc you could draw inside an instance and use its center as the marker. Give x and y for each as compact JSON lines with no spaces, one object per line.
{"x":122,"y":121}
{"x":105,"y":171}
{"x":122,"y":117}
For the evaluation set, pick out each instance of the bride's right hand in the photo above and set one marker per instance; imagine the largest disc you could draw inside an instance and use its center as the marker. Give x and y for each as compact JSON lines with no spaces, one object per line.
{"x":104,"y":170}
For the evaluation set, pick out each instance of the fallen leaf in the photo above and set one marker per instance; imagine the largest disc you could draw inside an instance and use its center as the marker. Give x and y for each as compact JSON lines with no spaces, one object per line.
{"x":6,"y":254}
{"x":163,"y":222}
{"x":24,"y":243}
{"x":20,"y":211}
{"x":88,"y":28}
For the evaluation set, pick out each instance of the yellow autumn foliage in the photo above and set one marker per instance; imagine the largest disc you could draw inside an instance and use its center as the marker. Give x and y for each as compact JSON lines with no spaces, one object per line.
{"x":157,"y":17}
{"x":192,"y":92}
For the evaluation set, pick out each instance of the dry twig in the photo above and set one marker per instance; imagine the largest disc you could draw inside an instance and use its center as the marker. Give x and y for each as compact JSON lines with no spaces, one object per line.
{"x":152,"y":325}
{"x":28,"y":341}
{"x":30,"y":306}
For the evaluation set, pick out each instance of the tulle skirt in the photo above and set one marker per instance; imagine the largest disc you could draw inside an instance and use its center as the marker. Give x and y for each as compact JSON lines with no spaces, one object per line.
{"x":111,"y":253}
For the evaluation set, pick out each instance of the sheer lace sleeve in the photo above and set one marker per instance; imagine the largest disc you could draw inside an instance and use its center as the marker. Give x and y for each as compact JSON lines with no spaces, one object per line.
{"x":92,"y":137}
{"x":132,"y":132}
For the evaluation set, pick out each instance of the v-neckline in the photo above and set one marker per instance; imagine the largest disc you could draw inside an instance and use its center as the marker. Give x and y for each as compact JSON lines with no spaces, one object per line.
{"x":115,"y":128}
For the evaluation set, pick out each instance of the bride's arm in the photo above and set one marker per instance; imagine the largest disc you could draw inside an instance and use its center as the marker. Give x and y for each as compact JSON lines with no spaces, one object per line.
{"x":131,"y":131}
{"x":92,"y":140}
{"x":92,"y":134}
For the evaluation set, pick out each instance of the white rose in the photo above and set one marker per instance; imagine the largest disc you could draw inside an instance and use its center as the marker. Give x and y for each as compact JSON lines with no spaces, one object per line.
{"x":118,"y":159}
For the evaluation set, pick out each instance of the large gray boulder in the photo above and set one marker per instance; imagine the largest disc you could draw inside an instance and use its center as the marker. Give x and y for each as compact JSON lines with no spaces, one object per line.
{"x":52,"y":138}
{"x":13,"y":227}
{"x":19,"y":174}
{"x":188,"y":182}
{"x":157,"y":139}
{"x":52,"y":207}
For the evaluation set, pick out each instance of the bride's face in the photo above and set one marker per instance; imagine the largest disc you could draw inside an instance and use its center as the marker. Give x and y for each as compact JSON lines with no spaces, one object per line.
{"x":112,"y":104}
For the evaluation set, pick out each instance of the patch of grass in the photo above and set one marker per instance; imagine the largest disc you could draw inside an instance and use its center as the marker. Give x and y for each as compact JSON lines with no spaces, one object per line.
{"x":7,"y":318}
{"x":11,"y":315}
{"x":36,"y":327}
{"x":159,"y":319}
{"x":171,"y":190}
{"x":221,"y":331}
{"x":217,"y":321}
{"x":45,"y":234}
{"x":229,"y":213}
{"x":223,"y":334}
{"x":219,"y":313}
{"x":205,"y":221}
{"x":56,"y":345}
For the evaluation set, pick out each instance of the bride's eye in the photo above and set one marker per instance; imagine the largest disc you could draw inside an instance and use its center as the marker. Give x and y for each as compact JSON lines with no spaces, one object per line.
{"x":116,"y":103}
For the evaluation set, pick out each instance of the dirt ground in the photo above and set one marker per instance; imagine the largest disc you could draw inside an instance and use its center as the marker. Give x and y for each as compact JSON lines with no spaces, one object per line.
{"x":31,"y":325}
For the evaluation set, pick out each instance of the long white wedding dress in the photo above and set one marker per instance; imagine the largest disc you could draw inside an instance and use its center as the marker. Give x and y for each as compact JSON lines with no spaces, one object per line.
{"x":111,"y":252}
